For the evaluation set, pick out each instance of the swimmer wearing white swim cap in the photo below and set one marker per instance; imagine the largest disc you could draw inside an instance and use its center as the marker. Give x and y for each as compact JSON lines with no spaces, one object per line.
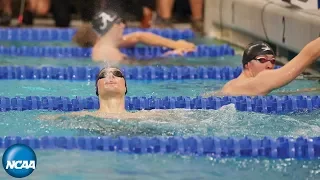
{"x":105,"y":34}
{"x":259,"y":76}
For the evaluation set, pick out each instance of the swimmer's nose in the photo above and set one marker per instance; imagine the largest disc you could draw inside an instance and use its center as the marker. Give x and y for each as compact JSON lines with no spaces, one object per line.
{"x":122,"y":25}
{"x":110,"y":76}
{"x":269,"y":65}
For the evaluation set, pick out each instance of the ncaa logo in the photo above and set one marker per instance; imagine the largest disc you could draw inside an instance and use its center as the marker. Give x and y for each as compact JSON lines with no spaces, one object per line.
{"x":19,"y":161}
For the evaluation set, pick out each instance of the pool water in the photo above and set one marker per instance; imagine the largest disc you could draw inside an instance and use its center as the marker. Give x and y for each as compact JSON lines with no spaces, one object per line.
{"x":233,"y":61}
{"x":225,"y":122}
{"x":60,"y":164}
{"x":181,"y":122}
{"x":158,"y":88}
{"x":81,"y":165}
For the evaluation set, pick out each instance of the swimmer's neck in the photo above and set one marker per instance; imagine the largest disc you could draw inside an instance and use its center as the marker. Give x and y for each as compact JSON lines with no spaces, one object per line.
{"x":112,"y":105}
{"x":246,"y":74}
{"x":110,"y":39}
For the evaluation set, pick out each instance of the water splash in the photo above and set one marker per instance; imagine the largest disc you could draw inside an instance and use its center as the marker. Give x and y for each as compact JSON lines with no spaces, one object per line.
{"x":183,"y":122}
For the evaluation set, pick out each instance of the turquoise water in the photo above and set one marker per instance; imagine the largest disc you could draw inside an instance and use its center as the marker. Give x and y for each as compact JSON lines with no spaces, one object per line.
{"x":225,"y":122}
{"x":233,"y":61}
{"x":158,"y":88}
{"x":58,"y":165}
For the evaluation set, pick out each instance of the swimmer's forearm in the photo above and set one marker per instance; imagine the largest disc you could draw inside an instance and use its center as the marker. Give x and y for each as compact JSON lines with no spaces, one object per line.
{"x":269,"y":80}
{"x":311,"y":52}
{"x":149,"y":39}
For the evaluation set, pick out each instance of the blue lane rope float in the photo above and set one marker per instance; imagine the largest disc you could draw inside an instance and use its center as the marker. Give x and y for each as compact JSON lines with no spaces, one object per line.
{"x":56,"y":34}
{"x":259,"y":104}
{"x":132,"y":73}
{"x":273,"y":148}
{"x":140,"y":53}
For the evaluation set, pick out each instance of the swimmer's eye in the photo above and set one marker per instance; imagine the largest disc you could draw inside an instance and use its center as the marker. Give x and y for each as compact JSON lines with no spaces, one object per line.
{"x":115,"y":73}
{"x":264,"y":60}
{"x":118,"y":74}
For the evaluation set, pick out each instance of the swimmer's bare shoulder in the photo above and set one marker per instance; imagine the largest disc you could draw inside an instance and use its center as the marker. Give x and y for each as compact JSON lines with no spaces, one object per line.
{"x":229,"y":88}
{"x":247,"y":86}
{"x":149,"y":113}
{"x":127,"y":115}
{"x":72,"y":114}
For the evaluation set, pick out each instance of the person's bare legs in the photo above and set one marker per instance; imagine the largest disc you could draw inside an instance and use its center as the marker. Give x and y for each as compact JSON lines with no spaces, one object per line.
{"x":5,"y":19}
{"x":196,"y":9}
{"x":165,"y":8}
{"x":39,"y":7}
{"x":6,"y":4}
{"x":164,"y":11}
{"x":197,"y":15}
{"x":147,"y":17}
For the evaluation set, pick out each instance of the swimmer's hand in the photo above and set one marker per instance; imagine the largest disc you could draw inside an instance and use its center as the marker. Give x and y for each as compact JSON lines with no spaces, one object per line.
{"x":182,"y":44}
{"x":181,"y":48}
{"x":180,"y":52}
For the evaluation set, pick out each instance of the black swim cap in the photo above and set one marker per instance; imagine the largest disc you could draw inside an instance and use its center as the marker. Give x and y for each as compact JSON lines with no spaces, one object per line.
{"x":256,"y":49}
{"x":104,"y":20}
{"x":102,"y":75}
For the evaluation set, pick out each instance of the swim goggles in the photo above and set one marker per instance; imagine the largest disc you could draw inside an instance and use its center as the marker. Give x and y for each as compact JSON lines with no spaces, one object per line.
{"x":115,"y":73}
{"x":264,"y":60}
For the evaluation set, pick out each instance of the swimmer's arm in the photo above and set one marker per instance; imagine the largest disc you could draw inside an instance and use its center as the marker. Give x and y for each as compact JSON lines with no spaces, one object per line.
{"x":267,"y":81}
{"x":149,"y":39}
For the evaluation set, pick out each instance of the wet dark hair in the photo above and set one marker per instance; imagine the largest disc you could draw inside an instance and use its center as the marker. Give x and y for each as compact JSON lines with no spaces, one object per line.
{"x":85,"y":36}
{"x":116,"y":73}
{"x":255,"y":49}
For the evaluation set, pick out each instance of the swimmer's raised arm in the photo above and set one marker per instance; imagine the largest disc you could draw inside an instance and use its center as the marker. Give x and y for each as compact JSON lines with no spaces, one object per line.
{"x":151,"y":39}
{"x":269,"y":80}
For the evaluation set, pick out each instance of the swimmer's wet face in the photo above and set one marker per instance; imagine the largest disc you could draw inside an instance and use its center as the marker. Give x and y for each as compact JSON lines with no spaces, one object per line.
{"x":261,"y":63}
{"x":119,"y":29}
{"x":110,"y":82}
{"x":258,"y":57}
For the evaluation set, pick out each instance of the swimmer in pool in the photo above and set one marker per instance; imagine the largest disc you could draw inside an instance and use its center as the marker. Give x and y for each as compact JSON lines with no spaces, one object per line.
{"x":105,"y":34}
{"x":111,"y":88}
{"x":259,"y":76}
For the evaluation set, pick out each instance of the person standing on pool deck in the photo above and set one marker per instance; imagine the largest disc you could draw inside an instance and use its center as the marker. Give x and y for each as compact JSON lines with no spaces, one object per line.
{"x":259,"y":76}
{"x":105,"y":34}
